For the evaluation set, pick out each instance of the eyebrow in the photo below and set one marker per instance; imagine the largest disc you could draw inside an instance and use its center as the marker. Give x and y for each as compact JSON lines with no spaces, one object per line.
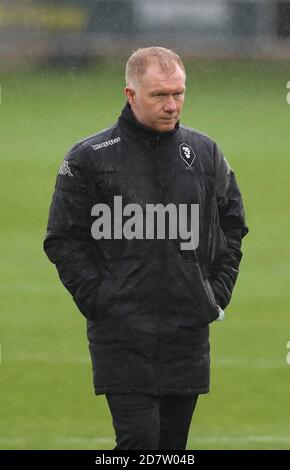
{"x":164,"y":93}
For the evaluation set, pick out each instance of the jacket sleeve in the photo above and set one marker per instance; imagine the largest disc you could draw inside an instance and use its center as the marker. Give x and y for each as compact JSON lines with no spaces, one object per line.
{"x":68,"y":238}
{"x":229,"y":230}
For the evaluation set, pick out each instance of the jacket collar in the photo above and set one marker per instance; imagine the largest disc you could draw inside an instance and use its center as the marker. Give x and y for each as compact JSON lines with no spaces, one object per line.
{"x":128,"y":121}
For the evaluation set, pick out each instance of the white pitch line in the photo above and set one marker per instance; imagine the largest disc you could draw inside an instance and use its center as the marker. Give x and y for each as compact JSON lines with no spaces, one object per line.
{"x":85,"y":359}
{"x":106,"y":440}
{"x":19,"y":441}
{"x":46,"y":358}
{"x":240,"y":439}
{"x":258,"y":363}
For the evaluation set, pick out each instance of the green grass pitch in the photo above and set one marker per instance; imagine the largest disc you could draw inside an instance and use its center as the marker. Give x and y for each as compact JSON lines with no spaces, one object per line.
{"x":47,"y":399}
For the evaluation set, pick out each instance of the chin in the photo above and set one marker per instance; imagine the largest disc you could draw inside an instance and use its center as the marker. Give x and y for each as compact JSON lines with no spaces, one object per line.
{"x":167,"y":127}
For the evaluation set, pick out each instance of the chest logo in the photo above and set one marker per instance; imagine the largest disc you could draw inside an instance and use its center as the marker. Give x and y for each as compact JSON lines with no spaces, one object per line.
{"x":187,"y":154}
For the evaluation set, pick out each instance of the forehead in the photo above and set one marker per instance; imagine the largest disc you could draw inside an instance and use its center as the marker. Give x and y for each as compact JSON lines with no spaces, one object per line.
{"x":154,"y":78}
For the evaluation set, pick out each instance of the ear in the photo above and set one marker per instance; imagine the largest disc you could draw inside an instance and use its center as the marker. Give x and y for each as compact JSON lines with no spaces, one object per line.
{"x":130,"y":93}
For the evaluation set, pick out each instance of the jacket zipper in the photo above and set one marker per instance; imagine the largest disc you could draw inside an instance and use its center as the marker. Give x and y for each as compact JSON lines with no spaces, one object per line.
{"x":162,"y":257}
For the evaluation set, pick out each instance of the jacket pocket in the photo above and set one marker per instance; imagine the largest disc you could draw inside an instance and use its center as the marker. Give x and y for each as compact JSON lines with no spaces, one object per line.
{"x":127,"y":282}
{"x":212,"y":299}
{"x":86,"y":295}
{"x":189,"y":295}
{"x":217,"y":246}
{"x":105,"y":297}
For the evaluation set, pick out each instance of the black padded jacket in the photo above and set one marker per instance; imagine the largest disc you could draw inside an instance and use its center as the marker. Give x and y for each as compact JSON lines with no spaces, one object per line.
{"x":148,"y":302}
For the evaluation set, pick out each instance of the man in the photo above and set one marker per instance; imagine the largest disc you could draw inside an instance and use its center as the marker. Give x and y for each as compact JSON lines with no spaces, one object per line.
{"x":148,"y":296}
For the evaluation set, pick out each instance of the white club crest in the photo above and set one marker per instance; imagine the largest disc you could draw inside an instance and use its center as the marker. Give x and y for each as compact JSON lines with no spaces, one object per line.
{"x":187,"y":154}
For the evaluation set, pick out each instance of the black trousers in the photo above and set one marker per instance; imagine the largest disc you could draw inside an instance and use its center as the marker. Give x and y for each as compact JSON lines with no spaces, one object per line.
{"x":146,"y":422}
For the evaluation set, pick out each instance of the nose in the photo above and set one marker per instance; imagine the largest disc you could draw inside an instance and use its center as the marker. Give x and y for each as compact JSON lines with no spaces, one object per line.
{"x":170,"y":105}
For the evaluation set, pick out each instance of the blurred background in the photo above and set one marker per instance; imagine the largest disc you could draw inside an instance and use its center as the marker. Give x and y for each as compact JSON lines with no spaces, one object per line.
{"x":61,"y":78}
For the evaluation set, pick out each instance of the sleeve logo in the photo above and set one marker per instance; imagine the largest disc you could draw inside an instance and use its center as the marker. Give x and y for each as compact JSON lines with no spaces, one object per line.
{"x":65,"y":169}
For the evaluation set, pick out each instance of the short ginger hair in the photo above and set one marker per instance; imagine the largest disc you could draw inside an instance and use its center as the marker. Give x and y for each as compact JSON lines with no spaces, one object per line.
{"x":140,"y":59}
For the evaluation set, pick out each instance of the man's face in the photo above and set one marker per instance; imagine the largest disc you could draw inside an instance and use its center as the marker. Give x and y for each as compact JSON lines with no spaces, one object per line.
{"x":157,"y":99}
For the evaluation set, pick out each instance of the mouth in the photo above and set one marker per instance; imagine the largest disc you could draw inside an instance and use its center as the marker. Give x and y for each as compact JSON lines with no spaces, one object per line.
{"x":168,"y":119}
